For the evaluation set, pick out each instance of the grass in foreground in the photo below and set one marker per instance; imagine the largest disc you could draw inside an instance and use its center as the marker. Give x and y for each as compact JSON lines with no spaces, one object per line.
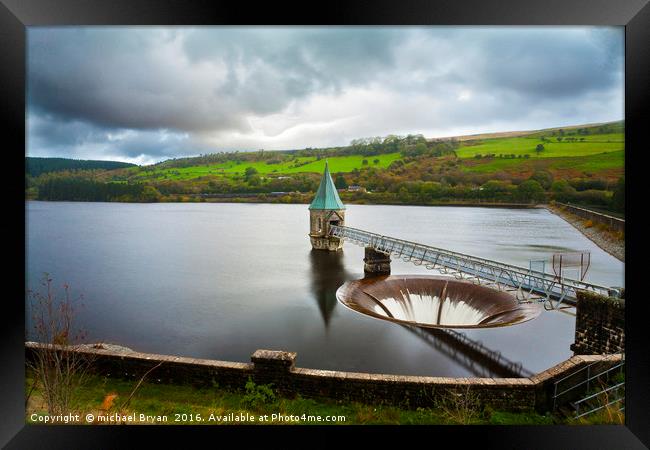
{"x":214,"y":406}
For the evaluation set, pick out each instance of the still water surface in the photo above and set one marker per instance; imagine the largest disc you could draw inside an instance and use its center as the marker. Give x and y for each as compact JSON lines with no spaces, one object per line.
{"x":218,"y":280}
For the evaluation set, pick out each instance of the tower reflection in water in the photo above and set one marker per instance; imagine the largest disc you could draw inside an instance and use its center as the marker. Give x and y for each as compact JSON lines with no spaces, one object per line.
{"x":327,"y":275}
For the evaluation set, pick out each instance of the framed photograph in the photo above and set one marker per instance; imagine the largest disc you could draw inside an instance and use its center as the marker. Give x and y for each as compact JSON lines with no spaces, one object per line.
{"x":388,"y":215}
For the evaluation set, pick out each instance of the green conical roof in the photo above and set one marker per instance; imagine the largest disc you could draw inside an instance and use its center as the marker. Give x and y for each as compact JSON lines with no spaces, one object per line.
{"x":326,"y":196}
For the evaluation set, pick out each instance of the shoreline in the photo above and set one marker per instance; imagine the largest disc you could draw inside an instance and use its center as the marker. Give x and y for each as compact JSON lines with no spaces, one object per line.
{"x":602,"y":238}
{"x":246,"y":200}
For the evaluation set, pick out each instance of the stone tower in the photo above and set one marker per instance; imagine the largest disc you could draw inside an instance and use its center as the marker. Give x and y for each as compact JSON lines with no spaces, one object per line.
{"x":326,"y":210}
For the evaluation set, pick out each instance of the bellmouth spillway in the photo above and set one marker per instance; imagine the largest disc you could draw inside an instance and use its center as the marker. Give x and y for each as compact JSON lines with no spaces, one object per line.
{"x":434,"y":302}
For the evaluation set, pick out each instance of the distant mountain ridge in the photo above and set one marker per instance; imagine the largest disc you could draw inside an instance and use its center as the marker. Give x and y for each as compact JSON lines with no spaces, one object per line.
{"x":34,"y":166}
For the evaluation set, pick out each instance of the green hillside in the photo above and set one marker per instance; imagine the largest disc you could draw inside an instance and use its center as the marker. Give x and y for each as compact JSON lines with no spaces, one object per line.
{"x":597,"y":162}
{"x":521,"y":146}
{"x":598,"y":148}
{"x":583,"y":164}
{"x":298,"y":165}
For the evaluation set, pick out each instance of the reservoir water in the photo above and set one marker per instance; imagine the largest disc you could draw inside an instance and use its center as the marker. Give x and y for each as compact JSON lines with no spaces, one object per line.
{"x":219,"y":280}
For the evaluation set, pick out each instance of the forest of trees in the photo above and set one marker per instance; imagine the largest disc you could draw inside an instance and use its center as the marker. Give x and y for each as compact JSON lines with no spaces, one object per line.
{"x":82,"y":189}
{"x":397,"y":185}
{"x":37,"y":166}
{"x":498,"y":191}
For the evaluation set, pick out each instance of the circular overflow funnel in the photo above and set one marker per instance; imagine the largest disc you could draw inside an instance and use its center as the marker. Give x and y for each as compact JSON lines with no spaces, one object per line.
{"x":416,"y":300}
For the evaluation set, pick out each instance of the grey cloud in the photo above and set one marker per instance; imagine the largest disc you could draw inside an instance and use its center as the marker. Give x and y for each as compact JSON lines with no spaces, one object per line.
{"x":50,"y":135}
{"x":548,"y":62}
{"x":113,"y":77}
{"x":543,"y":64}
{"x":85,"y":83}
{"x":308,"y":58}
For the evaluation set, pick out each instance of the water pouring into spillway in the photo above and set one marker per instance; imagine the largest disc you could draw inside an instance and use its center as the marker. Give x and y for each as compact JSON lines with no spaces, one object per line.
{"x":434,"y":302}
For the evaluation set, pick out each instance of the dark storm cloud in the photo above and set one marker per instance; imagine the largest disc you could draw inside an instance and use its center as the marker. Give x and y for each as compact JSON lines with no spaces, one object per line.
{"x":542,"y":65}
{"x":116,"y":78}
{"x":531,"y":62}
{"x":307,"y":59}
{"x":49,"y":135}
{"x":149,"y":93}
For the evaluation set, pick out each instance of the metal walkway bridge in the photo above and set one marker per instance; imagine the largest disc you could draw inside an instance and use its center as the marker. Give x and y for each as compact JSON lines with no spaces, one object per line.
{"x":525,"y":283}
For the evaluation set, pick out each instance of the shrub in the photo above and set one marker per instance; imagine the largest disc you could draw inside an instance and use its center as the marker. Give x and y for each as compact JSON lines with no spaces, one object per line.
{"x":530,"y":190}
{"x":258,"y":394}
{"x":461,"y":407}
{"x":57,"y":367}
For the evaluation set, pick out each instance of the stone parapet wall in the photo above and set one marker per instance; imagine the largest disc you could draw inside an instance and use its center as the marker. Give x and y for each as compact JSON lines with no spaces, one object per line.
{"x":278,"y":368}
{"x":600,"y":325}
{"x":613,"y":222}
{"x":569,"y":374}
{"x":173,"y":370}
{"x":411,"y":391}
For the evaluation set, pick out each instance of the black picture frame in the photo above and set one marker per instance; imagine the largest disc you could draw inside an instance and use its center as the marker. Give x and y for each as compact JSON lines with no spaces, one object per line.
{"x":16,"y":15}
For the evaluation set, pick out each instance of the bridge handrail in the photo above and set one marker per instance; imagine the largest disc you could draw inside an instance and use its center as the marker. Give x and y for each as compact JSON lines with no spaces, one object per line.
{"x":487,"y":262}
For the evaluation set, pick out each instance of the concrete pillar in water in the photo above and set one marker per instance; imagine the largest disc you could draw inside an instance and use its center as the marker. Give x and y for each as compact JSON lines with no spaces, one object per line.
{"x":376,"y":263}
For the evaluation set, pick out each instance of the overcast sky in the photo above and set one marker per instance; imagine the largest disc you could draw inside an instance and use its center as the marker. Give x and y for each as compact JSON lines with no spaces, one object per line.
{"x":146,"y":94}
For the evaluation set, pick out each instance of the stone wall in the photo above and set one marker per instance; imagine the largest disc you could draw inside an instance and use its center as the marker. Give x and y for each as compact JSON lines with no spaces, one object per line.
{"x":600,"y":324}
{"x":173,"y":370}
{"x":566,"y":375}
{"x":278,"y":368}
{"x":613,"y":222}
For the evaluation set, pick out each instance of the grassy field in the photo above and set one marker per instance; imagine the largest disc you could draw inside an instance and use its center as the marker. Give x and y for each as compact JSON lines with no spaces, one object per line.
{"x":336,"y":164}
{"x":298,"y":165}
{"x":182,"y":404}
{"x":609,"y":161}
{"x":592,"y":145}
{"x":603,"y":161}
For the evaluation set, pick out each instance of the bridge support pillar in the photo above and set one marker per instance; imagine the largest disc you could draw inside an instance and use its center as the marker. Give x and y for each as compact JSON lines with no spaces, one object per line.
{"x":376,"y":263}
